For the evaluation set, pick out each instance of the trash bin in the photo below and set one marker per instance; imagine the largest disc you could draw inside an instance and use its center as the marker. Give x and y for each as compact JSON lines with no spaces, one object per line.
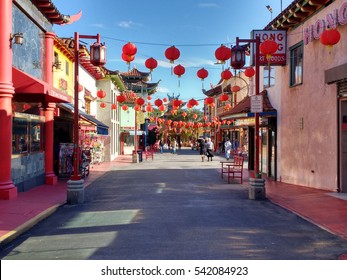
{"x":139,"y":152}
{"x":135,"y":157}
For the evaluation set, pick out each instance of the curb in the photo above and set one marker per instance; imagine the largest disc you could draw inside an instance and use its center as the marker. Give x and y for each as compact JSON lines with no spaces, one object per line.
{"x":8,"y":237}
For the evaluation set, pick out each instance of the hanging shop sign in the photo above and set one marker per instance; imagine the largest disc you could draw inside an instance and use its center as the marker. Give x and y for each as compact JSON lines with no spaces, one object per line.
{"x":256,"y":103}
{"x":280,"y":37}
{"x":332,"y":20}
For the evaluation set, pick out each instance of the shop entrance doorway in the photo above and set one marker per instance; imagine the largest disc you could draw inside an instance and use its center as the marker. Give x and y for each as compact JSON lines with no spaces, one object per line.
{"x":343,"y":145}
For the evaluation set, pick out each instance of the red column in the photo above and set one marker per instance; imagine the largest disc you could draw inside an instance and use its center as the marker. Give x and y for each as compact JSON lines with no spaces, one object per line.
{"x":7,"y":188}
{"x":51,"y":178}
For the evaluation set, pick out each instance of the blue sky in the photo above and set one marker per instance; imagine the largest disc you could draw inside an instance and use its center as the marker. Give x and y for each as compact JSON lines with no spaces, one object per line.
{"x":195,"y":27}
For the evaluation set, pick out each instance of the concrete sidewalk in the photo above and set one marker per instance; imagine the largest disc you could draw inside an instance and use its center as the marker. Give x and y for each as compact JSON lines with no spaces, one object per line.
{"x":324,"y":209}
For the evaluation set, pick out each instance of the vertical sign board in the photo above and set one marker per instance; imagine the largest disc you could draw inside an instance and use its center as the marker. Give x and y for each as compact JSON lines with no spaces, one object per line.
{"x":280,"y":37}
{"x":256,"y":103}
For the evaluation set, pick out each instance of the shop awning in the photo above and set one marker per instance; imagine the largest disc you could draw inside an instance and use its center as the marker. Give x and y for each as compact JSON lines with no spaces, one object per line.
{"x":139,"y":132}
{"x":30,"y":89}
{"x":243,"y":109}
{"x":101,"y":128}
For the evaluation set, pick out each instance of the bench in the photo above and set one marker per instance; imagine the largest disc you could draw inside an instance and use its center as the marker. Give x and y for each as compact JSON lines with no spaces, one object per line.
{"x":224,"y":168}
{"x":235,"y":169}
{"x":149,"y":154}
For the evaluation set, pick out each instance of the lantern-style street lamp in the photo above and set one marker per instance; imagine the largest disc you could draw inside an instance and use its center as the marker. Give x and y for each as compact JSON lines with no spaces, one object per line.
{"x":98,"y":58}
{"x":237,"y":61}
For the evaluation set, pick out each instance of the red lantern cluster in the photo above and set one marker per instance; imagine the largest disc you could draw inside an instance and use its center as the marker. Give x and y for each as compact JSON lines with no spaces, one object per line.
{"x":192,"y":102}
{"x":172,"y":53}
{"x":222,"y":54}
{"x":129,"y":51}
{"x":209,"y":100}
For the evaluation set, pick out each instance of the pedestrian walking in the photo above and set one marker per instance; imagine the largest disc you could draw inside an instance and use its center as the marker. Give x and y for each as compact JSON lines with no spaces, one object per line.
{"x":202,"y":149}
{"x":174,"y":146}
{"x":209,"y":147}
{"x":227,"y":148}
{"x":161,"y":145}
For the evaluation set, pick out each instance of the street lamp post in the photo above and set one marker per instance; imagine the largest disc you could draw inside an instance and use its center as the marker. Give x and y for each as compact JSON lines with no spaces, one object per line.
{"x":75,"y":194}
{"x":257,"y":184}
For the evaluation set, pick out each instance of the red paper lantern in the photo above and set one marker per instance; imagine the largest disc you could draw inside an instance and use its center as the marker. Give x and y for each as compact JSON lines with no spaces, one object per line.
{"x":184,"y":114}
{"x":129,"y":49}
{"x":209,"y":100}
{"x":137,"y":108}
{"x":226,"y":75}
{"x":80,"y":88}
{"x":103,"y":105}
{"x":202,"y":73}
{"x":125,"y":108}
{"x":120,"y":98}
{"x":101,"y":94}
{"x":114,"y":106}
{"x":330,"y":37}
{"x":224,"y":97}
{"x":195,"y":116}
{"x":128,"y":58}
{"x":249,"y":72}
{"x":151,"y":63}
{"x":177,"y":103}
{"x":235,"y":88}
{"x":140,"y":101}
{"x":223,"y":53}
{"x":268,"y":47}
{"x":162,"y":108}
{"x":192,"y":102}
{"x":172,"y":53}
{"x":179,"y":70}
{"x":158,"y":102}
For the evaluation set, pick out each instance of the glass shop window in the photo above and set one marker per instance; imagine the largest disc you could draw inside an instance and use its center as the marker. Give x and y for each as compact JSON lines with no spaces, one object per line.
{"x":296,"y":64}
{"x":269,"y":76}
{"x":26,"y":133}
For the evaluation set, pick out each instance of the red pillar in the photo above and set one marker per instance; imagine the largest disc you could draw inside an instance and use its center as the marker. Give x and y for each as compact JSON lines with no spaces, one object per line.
{"x":48,"y":108}
{"x":7,"y":188}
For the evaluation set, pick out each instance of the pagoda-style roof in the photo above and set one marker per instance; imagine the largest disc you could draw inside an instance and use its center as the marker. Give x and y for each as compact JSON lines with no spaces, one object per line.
{"x":245,"y":107}
{"x":135,"y":74}
{"x":136,"y":81}
{"x":67,"y":45}
{"x":218,"y":89}
{"x":47,"y":8}
{"x":296,"y":13}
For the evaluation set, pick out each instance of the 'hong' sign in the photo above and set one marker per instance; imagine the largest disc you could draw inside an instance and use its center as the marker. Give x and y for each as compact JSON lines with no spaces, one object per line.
{"x":280,"y":37}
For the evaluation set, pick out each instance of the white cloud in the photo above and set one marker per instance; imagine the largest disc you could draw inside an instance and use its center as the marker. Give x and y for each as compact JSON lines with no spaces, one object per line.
{"x":162,"y":89}
{"x":98,"y":25}
{"x":128,"y":24}
{"x":208,"y":5}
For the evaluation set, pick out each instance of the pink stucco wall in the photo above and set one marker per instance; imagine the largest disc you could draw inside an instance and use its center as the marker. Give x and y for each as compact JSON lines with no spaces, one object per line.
{"x":308,"y":154}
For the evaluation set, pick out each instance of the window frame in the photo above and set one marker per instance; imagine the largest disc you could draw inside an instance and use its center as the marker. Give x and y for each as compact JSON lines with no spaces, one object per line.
{"x":294,"y":78}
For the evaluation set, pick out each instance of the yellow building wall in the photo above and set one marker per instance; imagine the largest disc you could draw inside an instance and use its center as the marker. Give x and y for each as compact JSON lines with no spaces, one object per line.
{"x":63,"y":78}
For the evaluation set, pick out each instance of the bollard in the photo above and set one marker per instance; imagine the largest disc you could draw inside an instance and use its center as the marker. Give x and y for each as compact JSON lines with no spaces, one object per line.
{"x":75,"y":192}
{"x":256,"y":189}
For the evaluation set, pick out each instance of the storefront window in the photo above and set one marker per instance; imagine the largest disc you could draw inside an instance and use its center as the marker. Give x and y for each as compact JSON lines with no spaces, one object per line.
{"x":296,"y":64}
{"x":269,"y":76}
{"x":26,"y":133}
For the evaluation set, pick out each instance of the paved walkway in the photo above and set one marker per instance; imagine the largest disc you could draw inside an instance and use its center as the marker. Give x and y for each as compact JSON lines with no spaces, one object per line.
{"x":324,"y":209}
